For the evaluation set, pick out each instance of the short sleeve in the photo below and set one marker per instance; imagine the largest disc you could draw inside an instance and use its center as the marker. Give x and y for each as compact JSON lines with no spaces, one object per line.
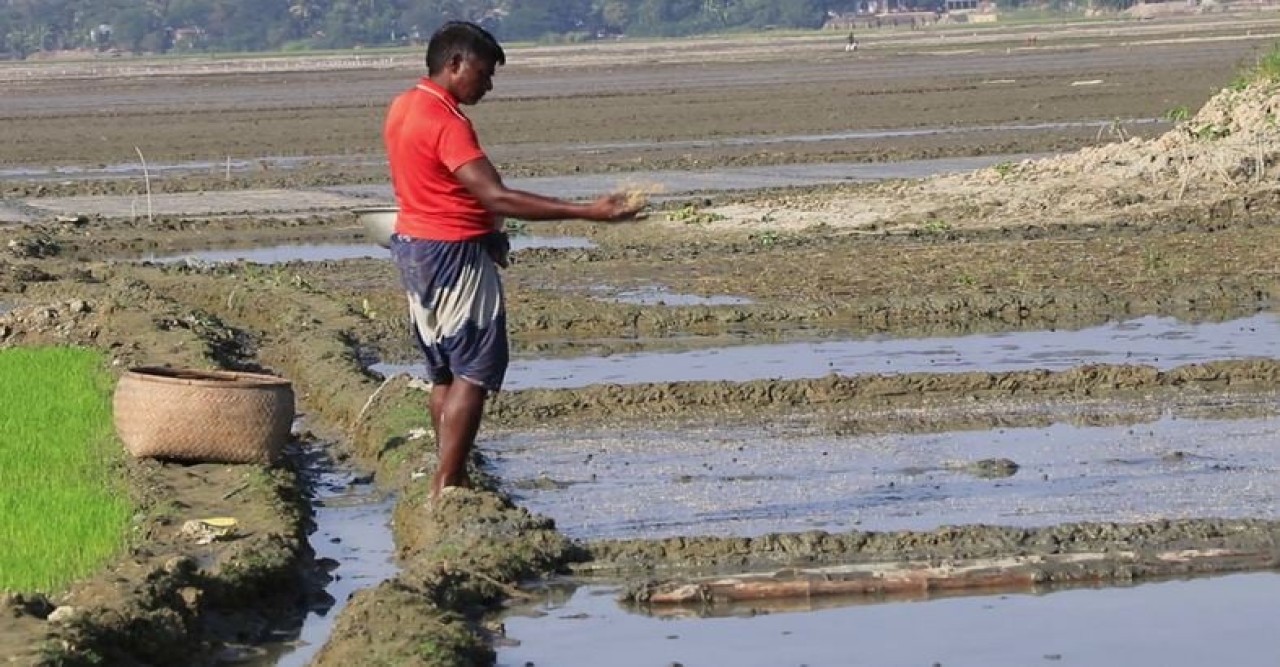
{"x":459,"y":145}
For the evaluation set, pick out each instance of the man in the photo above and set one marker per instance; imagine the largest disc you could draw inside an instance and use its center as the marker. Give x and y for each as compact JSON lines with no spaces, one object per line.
{"x":448,"y":243}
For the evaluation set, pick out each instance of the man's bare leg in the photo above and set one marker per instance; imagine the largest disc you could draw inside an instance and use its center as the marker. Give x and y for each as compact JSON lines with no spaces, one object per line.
{"x":435,"y":405}
{"x":461,"y":406}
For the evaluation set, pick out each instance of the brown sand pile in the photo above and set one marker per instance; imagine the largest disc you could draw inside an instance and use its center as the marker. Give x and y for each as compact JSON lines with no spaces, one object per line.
{"x":1229,"y":149}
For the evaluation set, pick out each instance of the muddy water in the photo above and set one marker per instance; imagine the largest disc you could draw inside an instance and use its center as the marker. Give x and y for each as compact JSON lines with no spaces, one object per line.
{"x":656,"y":295}
{"x":1219,"y":621}
{"x":747,"y":482}
{"x":765,"y":140}
{"x":345,"y":197}
{"x":134,"y":170}
{"x":321,"y":252}
{"x":238,"y":166}
{"x":1156,"y":341}
{"x":725,"y":179}
{"x":353,"y":545}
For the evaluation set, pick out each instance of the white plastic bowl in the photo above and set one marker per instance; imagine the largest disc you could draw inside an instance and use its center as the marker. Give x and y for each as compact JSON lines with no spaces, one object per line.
{"x":379,"y":223}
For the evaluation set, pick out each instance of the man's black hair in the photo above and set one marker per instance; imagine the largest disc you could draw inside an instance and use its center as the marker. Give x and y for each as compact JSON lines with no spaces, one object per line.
{"x":462,"y":38}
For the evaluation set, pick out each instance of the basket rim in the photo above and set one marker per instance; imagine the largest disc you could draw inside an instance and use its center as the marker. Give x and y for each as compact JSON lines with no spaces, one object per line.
{"x":384,"y":208}
{"x":205,"y":378}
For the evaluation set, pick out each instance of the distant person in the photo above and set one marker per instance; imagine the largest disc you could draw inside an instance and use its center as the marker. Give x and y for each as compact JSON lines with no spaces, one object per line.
{"x":852,"y":44}
{"x":447,"y":242}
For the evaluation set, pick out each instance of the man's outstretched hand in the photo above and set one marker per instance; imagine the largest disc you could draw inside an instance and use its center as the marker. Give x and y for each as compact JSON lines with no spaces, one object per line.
{"x":615,"y":208}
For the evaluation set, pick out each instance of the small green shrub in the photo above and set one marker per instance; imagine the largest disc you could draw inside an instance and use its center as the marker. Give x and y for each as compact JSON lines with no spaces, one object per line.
{"x":690,"y":214}
{"x":935,"y":226}
{"x":1178,"y":114}
{"x":1265,"y":70}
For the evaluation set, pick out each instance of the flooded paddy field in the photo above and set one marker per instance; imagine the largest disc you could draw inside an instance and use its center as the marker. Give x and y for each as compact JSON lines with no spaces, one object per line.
{"x":1184,"y":624}
{"x":1153,"y":341}
{"x":760,"y":375}
{"x":783,"y":478}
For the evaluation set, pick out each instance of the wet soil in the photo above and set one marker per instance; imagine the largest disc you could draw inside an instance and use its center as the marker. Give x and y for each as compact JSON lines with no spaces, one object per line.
{"x":984,"y":79}
{"x":805,"y":259}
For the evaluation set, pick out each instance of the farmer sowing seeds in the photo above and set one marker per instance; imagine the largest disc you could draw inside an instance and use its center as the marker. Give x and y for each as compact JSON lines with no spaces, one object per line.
{"x":448,"y":243}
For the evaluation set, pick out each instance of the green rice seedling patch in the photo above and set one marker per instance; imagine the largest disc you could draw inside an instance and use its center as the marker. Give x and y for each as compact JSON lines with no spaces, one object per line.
{"x":64,"y":508}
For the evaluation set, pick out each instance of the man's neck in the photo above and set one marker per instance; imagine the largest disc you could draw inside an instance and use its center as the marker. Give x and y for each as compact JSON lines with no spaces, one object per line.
{"x":442,"y":83}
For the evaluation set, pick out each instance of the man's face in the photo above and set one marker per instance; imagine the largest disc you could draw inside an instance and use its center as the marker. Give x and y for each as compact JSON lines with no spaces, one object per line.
{"x":473,"y":79}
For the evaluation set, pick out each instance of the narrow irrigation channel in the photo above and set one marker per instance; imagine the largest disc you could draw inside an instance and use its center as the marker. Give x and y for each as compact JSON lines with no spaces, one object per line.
{"x":353,"y":546}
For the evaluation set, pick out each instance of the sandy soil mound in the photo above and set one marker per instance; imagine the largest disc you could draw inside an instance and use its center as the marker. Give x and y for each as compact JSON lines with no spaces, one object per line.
{"x":1230,"y":150}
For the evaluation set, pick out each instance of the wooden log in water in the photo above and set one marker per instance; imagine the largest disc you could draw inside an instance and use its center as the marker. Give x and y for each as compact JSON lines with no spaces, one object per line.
{"x":920,"y":580}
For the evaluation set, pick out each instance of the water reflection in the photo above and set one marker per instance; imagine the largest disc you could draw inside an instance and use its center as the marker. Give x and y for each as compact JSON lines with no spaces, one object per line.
{"x":740,"y":481}
{"x":1216,"y":621}
{"x":353,"y":545}
{"x":657,"y":295}
{"x":1158,"y":341}
{"x":675,"y":182}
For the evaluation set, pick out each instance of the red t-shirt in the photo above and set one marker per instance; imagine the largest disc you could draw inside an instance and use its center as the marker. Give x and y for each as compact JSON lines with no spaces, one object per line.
{"x":427,"y":139}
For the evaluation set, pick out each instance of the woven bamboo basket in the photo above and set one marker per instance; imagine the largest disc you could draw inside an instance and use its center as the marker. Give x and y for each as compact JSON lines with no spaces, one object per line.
{"x":206,"y":416}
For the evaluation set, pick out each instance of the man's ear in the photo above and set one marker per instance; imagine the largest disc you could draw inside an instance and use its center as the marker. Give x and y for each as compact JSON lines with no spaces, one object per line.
{"x":454,"y":64}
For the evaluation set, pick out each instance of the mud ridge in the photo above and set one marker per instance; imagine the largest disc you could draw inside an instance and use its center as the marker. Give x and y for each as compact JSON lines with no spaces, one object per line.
{"x":678,"y":400}
{"x":945,"y":544}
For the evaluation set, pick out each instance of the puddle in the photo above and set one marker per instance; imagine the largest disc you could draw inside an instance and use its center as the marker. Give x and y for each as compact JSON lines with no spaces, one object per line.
{"x":353,"y":545}
{"x":676,"y":182}
{"x":13,"y":212}
{"x":277,"y":254}
{"x":1157,"y":341}
{"x":745,"y":482}
{"x":765,"y":140}
{"x":340,"y":251}
{"x":579,"y":186}
{"x":656,"y":295}
{"x":220,"y":167}
{"x":1217,"y":621}
{"x":194,"y":204}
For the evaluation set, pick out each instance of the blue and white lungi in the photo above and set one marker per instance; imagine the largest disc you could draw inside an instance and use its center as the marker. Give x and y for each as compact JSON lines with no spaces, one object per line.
{"x":457,"y":309}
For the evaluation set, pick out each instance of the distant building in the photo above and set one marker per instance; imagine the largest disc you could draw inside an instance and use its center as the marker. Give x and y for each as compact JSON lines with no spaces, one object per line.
{"x":100,"y":36}
{"x":187,"y":38}
{"x":881,"y":13}
{"x":970,"y":11}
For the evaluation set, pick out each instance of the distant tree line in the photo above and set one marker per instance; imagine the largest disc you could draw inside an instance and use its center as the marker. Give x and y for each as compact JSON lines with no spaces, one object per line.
{"x":159,"y":26}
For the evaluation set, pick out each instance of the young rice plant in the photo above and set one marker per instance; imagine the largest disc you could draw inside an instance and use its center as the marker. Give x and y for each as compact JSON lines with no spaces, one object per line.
{"x":63,"y":509}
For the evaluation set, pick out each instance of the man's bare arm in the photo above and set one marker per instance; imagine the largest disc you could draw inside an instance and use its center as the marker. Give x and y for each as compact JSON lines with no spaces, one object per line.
{"x":482,"y":179}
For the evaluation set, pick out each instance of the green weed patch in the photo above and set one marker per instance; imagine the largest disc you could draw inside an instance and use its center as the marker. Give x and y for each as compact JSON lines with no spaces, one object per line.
{"x":63,"y":509}
{"x":1265,"y":70}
